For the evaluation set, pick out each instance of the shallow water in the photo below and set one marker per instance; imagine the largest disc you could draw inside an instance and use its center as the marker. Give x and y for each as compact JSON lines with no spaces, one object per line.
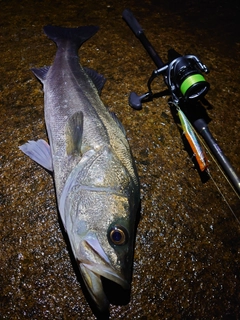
{"x":187,"y":254}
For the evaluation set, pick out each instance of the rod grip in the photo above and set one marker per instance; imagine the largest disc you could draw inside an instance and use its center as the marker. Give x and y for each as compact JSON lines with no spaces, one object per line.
{"x":132,"y":22}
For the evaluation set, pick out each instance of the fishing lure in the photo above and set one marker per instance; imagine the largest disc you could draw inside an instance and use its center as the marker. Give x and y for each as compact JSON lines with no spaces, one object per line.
{"x":200,"y":154}
{"x":193,"y":141}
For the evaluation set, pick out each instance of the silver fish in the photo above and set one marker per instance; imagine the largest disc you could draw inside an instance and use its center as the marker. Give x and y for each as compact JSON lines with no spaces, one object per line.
{"x":96,"y":181}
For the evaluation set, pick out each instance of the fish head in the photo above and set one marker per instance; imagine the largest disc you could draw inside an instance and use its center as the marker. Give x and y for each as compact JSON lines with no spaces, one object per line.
{"x":101,"y":228}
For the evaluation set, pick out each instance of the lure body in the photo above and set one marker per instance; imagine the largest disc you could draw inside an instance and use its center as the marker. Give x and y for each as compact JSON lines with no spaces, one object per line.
{"x":193,"y":141}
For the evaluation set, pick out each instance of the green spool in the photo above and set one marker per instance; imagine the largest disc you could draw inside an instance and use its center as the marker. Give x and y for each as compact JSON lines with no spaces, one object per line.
{"x":188,"y":82}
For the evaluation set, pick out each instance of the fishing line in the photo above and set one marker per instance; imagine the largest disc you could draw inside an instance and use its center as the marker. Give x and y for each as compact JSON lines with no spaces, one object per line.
{"x":224,"y":198}
{"x":193,"y":132}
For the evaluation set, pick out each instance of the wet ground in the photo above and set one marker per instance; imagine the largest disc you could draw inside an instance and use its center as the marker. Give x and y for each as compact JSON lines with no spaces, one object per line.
{"x":187,"y":254}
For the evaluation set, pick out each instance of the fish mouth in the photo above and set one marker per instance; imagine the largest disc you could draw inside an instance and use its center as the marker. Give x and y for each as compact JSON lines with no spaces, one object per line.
{"x":93,"y":270}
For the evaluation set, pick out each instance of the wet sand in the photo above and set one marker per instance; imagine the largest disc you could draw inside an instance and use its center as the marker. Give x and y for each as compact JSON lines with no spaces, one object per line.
{"x":187,"y":255}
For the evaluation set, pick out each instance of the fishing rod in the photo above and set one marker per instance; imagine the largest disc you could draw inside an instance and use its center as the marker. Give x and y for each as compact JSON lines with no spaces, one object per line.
{"x":186,"y":85}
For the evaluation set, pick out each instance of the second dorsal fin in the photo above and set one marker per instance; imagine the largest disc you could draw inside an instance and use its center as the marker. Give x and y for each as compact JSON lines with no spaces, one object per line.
{"x":97,"y":78}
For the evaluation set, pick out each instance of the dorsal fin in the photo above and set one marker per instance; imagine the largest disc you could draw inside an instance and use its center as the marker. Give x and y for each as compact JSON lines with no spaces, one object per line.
{"x":74,"y":130}
{"x":118,"y":122}
{"x":97,"y":78}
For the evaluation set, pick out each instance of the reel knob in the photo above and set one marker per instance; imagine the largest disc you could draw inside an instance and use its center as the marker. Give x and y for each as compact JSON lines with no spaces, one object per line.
{"x":135,"y":101}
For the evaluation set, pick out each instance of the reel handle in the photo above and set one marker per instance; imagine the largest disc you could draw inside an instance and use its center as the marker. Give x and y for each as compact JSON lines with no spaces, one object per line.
{"x":135,"y":101}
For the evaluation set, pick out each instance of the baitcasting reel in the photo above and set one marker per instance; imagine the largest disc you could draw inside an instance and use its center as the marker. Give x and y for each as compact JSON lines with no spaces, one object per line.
{"x":183,"y":78}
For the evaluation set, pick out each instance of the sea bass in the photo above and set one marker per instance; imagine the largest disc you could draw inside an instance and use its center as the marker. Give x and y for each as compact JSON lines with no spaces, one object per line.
{"x":95,"y":177}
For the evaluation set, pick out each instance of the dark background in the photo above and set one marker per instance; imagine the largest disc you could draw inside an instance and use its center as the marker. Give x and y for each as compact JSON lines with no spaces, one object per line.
{"x":187,"y":254}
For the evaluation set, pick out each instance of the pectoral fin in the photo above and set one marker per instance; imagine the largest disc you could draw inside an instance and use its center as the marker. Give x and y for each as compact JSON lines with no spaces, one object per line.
{"x":40,"y":152}
{"x":74,"y":130}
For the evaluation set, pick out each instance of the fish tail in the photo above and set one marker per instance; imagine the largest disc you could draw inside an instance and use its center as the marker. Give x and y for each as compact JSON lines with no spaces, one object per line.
{"x":76,"y":35}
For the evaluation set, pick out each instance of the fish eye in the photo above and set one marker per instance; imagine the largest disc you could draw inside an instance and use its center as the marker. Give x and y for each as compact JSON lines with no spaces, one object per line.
{"x":118,"y":235}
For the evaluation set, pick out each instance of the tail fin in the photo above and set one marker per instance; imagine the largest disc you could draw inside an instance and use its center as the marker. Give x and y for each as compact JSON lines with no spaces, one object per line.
{"x":76,"y":35}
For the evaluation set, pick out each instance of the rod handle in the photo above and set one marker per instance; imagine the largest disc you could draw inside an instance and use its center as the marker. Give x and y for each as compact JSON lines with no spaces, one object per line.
{"x":132,"y":22}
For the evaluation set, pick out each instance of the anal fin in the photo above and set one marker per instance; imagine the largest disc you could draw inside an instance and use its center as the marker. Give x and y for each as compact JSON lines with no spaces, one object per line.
{"x":41,"y":73}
